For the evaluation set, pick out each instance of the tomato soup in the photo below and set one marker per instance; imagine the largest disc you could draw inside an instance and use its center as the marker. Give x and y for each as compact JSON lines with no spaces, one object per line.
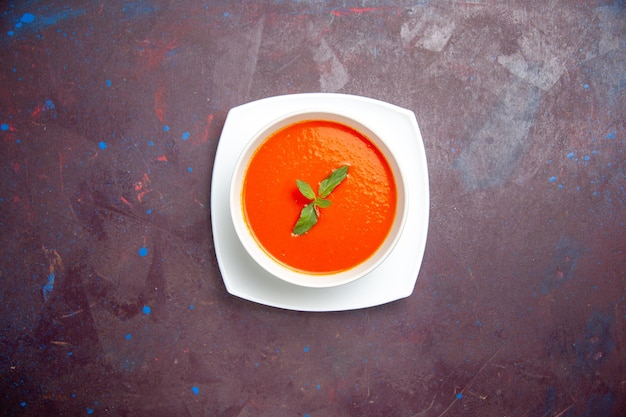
{"x":363,"y":205}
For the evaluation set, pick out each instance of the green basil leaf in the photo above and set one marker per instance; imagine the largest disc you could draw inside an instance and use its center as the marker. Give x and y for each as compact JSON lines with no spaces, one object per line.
{"x":308,"y":218}
{"x":333,"y":180}
{"x":305,"y":189}
{"x":310,"y":213}
{"x":322,"y":202}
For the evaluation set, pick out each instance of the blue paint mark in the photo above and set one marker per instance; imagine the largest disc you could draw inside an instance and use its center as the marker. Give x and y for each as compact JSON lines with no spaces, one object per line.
{"x":552,"y":179}
{"x":149,"y":211}
{"x":185,"y":136}
{"x":4,"y":127}
{"x":10,"y":33}
{"x":550,"y":403}
{"x":225,"y":14}
{"x":479,"y":323}
{"x":135,"y":9}
{"x":47,"y":289}
{"x":18,"y":25}
{"x":89,"y":410}
{"x":600,"y":405}
{"x":128,"y":336}
{"x":586,"y":158}
{"x":318,"y":386}
{"x":306,"y":349}
{"x":70,"y":353}
{"x":586,"y":86}
{"x":195,"y":390}
{"x":102,"y":145}
{"x":143,"y":251}
{"x":598,"y":342}
{"x":48,"y":105}
{"x":459,"y":396}
{"x":108,"y":83}
{"x":563,"y":264}
{"x":560,"y":186}
{"x":27,"y":18}
{"x":146,"y":310}
{"x":23,"y":404}
{"x":150,"y":143}
{"x":191,"y":307}
{"x":190,"y":169}
{"x":166,"y":128}
{"x":42,"y":21}
{"x":610,"y":135}
{"x":570,"y":155}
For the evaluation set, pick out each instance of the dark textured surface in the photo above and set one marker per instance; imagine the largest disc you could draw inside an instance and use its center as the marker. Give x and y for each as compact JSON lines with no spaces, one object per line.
{"x":112,"y":300}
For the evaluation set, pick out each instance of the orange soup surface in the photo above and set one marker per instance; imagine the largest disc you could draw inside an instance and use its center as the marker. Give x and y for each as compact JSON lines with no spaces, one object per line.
{"x":363,"y":206}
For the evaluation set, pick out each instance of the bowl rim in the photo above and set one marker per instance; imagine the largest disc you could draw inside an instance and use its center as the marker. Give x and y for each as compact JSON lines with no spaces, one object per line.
{"x":266,"y":260}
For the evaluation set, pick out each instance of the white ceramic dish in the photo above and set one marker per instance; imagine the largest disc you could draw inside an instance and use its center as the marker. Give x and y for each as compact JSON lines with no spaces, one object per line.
{"x":266,"y":261}
{"x":395,"y":277}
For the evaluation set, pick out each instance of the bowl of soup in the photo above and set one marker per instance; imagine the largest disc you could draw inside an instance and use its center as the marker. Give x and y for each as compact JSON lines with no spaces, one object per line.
{"x":317,"y":199}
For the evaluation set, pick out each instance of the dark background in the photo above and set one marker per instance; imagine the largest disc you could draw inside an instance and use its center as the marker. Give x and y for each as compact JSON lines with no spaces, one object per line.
{"x":110,"y":116}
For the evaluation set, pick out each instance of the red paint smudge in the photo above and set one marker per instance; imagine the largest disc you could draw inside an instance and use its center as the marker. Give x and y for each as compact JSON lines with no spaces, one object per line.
{"x":142,"y":194}
{"x":331,"y":394}
{"x":125,"y":201}
{"x":37,"y":111}
{"x":153,"y":53}
{"x":207,"y":128}
{"x":141,"y":187}
{"x":355,"y":10}
{"x":162,"y":158}
{"x":159,"y":103}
